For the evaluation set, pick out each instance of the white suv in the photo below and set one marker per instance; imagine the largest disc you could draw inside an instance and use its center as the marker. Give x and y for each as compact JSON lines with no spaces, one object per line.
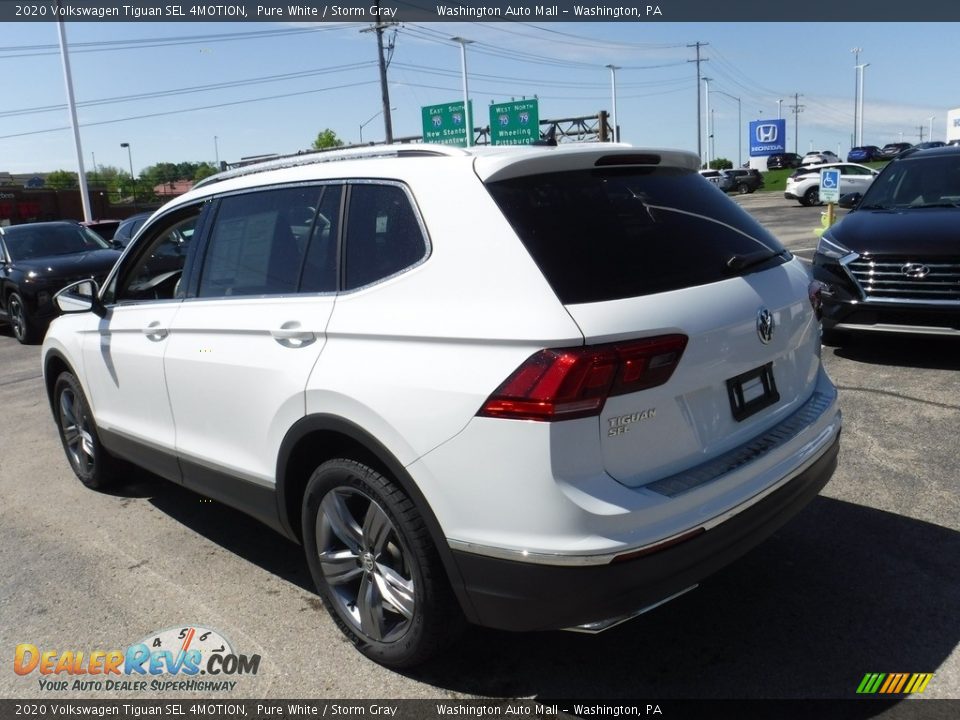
{"x":529,"y":388}
{"x":803,"y":185}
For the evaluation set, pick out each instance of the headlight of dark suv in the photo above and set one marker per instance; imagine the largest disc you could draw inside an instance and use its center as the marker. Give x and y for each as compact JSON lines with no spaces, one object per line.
{"x":830,"y":248}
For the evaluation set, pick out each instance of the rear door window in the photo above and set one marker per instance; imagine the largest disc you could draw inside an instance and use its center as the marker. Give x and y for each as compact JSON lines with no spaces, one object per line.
{"x":258,"y":242}
{"x":612,"y":233}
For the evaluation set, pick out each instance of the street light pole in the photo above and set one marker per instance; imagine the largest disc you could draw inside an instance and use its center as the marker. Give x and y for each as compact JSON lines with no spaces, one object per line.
{"x":739,"y":126}
{"x":216,"y":152}
{"x":931,"y":126}
{"x":862,"y":68}
{"x":856,"y":94}
{"x":74,"y":124}
{"x":466,"y":93}
{"x":367,"y":122}
{"x":132,"y":179}
{"x":613,"y":87}
{"x":779,"y":104}
{"x":706,"y":91}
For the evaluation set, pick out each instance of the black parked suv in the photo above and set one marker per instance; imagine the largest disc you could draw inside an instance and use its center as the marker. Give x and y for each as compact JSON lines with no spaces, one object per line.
{"x":39,"y":259}
{"x":891,"y":150}
{"x":893,"y":263}
{"x":743,"y":181}
{"x":783,"y":160}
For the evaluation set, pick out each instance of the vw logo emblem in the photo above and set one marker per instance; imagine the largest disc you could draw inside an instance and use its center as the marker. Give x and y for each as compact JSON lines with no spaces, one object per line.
{"x":765,"y":325}
{"x":915,"y":270}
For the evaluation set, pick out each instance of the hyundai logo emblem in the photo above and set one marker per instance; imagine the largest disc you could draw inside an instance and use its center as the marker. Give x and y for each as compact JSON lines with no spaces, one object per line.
{"x":915,"y":270}
{"x":765,"y":325}
{"x":766,"y":133}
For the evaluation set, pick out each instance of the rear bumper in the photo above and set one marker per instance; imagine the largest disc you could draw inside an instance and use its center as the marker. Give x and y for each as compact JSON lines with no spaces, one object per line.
{"x":520,"y":596}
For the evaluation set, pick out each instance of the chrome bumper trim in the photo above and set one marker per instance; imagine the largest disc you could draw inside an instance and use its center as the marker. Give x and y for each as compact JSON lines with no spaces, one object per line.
{"x":888,"y":327}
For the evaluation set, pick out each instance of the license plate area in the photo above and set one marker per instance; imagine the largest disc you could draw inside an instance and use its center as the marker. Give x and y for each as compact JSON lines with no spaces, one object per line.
{"x":752,"y":391}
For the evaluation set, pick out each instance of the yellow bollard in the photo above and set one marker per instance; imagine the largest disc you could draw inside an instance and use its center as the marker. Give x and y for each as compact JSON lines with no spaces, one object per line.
{"x":827,"y":218}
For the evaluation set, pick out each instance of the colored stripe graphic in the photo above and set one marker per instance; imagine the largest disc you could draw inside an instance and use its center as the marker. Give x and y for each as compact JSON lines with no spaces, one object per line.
{"x":894,"y":683}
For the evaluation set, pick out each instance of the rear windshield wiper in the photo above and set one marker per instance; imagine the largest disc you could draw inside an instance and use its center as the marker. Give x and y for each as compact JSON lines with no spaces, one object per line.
{"x":739,"y":263}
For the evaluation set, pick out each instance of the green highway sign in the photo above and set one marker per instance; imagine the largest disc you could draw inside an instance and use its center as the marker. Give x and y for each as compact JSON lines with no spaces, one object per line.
{"x":445,"y":124}
{"x":514,"y":123}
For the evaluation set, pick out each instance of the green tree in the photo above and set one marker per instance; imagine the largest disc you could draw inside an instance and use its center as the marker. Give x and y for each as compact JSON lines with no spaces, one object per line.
{"x":204,"y":170}
{"x":327,"y":139}
{"x":720,"y":164}
{"x":62,"y":180}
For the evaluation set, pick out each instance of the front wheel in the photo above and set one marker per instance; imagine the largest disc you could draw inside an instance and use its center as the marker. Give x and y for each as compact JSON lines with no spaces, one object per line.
{"x":743,"y":189}
{"x":375,"y":565}
{"x":90,"y":462}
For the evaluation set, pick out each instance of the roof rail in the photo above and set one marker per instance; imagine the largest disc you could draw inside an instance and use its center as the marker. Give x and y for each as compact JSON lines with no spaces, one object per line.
{"x":323,"y":156}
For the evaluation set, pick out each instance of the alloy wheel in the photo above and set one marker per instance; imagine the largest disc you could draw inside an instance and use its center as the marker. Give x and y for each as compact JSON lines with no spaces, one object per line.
{"x":365,"y":564}
{"x":17,"y":318}
{"x":77,"y":435}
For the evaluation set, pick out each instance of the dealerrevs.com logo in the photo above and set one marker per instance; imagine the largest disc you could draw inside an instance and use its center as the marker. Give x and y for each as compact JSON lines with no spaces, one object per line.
{"x":183,"y":659}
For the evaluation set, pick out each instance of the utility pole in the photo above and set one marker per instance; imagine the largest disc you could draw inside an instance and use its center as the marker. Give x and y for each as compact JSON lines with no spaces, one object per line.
{"x":797,"y":109}
{"x":920,"y":128}
{"x":383,"y":62}
{"x":699,"y":60}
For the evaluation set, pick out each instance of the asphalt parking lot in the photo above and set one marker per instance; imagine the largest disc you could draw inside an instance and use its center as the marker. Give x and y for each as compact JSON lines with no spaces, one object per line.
{"x":866,"y":579}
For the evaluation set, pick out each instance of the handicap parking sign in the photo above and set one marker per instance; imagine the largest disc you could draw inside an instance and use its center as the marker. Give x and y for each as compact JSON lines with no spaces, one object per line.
{"x":829,"y":185}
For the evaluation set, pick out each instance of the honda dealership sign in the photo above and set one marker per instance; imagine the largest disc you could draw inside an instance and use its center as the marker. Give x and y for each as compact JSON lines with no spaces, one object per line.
{"x":767,"y":137}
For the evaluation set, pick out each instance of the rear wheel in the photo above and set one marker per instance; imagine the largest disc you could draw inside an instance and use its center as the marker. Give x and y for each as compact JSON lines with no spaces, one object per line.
{"x":23,"y":327}
{"x":811,"y":197}
{"x":90,"y":462}
{"x":375,"y":565}
{"x":743,"y":189}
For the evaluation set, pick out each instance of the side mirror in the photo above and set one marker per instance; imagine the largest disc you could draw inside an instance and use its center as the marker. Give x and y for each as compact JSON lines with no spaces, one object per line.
{"x":849,"y":200}
{"x":81,"y":296}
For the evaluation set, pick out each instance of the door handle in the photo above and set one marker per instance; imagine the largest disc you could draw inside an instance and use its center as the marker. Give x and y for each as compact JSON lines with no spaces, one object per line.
{"x":291,"y":335}
{"x":155,"y":332}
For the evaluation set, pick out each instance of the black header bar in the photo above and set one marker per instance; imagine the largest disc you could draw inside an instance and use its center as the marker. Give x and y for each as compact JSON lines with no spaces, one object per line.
{"x":624,"y":11}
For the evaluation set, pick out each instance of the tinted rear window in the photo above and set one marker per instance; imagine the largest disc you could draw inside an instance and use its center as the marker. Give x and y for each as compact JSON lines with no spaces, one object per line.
{"x":614,"y":233}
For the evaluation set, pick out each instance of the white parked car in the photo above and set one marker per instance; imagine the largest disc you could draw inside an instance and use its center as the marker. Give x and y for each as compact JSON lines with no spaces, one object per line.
{"x":529,"y":388}
{"x":819,"y":158}
{"x":804,"y":184}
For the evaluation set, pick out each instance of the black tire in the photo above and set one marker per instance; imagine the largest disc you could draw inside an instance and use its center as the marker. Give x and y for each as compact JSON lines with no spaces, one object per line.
{"x":811,"y":197}
{"x":376,"y":567}
{"x":89,"y":460}
{"x":24,"y":329}
{"x":743,"y":189}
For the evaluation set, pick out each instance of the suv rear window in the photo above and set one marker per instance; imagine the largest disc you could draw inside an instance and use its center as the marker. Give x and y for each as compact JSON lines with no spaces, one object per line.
{"x":613,"y":233}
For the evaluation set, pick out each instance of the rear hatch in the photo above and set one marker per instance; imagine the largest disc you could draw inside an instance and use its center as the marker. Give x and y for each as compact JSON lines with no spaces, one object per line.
{"x":636,"y":248}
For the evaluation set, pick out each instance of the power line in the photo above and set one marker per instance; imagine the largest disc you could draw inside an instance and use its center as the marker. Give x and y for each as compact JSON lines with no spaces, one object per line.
{"x":137,"y":43}
{"x":192,"y":89}
{"x":190,"y":109}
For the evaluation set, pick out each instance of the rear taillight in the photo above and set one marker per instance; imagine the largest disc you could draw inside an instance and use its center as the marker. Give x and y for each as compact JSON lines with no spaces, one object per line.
{"x":567,"y":383}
